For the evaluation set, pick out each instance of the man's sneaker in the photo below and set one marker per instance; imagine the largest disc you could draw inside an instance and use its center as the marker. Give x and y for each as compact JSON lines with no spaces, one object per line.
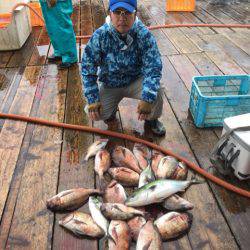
{"x":53,"y":59}
{"x":156,"y":126}
{"x":66,"y":65}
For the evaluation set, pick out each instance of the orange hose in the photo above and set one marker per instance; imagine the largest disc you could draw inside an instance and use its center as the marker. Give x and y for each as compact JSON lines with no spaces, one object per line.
{"x":193,"y":166}
{"x":153,"y":27}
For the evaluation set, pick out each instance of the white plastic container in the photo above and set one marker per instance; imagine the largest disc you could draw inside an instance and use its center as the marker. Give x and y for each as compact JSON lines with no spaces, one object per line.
{"x":238,"y":145}
{"x":16,"y":33}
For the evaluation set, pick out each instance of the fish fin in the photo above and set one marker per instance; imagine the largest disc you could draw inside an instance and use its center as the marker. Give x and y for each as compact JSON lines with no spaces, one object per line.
{"x":195,"y":181}
{"x":115,"y":233}
{"x":147,"y":245}
{"x":78,"y":232}
{"x":124,"y":152}
{"x":116,"y":207}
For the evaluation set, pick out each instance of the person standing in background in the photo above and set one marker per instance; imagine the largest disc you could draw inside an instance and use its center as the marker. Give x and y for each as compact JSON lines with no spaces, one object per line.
{"x":57,"y":14}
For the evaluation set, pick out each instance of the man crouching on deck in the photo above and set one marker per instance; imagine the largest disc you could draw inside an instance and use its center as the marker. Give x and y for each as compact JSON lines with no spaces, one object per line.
{"x":127,"y":59}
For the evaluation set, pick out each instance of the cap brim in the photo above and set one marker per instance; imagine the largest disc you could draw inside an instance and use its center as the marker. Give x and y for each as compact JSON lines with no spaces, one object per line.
{"x":123,"y":5}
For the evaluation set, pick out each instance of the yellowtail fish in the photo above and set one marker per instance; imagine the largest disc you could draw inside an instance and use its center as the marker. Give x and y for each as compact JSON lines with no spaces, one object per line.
{"x":146,"y":176}
{"x":157,"y":191}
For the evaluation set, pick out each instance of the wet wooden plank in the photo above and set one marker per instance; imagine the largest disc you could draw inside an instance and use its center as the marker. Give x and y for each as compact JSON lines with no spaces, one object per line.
{"x":36,"y":179}
{"x":73,"y":171}
{"x":7,"y":76}
{"x":175,"y":35}
{"x":240,"y":39}
{"x":20,"y":166}
{"x":22,"y":56}
{"x":202,"y":142}
{"x":5,"y":57}
{"x":181,"y":62}
{"x":12,"y":132}
{"x":225,"y":45}
{"x":164,"y":44}
{"x":41,"y":49}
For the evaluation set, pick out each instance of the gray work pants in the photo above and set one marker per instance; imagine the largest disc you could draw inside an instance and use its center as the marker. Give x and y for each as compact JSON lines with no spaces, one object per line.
{"x":110,"y":98}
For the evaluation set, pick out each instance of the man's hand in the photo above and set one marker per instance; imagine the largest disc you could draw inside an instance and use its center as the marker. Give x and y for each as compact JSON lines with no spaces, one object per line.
{"x":51,"y":3}
{"x":94,"y":110}
{"x":144,"y":109}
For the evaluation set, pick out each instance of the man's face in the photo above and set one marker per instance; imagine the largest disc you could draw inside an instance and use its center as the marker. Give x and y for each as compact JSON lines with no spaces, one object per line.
{"x":122,"y":20}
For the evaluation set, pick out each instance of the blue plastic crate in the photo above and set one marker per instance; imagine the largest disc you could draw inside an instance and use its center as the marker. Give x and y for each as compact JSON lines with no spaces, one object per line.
{"x":214,"y":98}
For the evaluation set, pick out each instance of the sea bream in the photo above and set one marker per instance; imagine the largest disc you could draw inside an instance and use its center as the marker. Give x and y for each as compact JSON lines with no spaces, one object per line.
{"x":117,"y":211}
{"x":125,"y":176}
{"x":149,"y":238}
{"x":177,"y":203}
{"x":71,"y":199}
{"x":142,"y":154}
{"x":81,"y":224}
{"x":119,"y":231}
{"x":114,"y":193}
{"x":102,"y":164}
{"x":157,"y":191}
{"x":123,"y":157}
{"x":95,"y":147}
{"x":173,"y":224}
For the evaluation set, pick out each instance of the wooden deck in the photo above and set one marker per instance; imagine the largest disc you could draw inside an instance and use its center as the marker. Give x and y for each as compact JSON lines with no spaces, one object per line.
{"x":37,"y":161}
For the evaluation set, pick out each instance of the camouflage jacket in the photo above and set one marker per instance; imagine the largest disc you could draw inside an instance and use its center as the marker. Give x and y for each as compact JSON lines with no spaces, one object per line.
{"x":118,"y":61}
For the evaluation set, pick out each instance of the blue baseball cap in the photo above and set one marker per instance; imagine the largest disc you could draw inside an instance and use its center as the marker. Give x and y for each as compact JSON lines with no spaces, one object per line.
{"x":129,"y":5}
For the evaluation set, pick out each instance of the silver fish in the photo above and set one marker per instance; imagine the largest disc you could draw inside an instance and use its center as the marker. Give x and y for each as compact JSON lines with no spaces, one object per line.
{"x":157,"y":191}
{"x":173,"y":224}
{"x":81,"y":224}
{"x":149,"y":238}
{"x":95,"y":147}
{"x":95,"y":211}
{"x":117,"y":211}
{"x":142,"y":154}
{"x":114,"y":193}
{"x":177,"y":203}
{"x":70,"y":199}
{"x":119,"y":231}
{"x":146,"y":176}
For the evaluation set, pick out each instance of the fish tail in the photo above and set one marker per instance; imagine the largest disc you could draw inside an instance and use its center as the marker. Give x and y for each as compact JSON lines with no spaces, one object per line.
{"x":194,"y":180}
